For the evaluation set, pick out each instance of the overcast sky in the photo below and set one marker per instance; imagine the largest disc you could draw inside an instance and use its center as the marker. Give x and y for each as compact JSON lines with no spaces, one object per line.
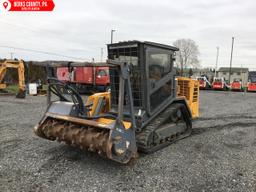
{"x":80,"y":28}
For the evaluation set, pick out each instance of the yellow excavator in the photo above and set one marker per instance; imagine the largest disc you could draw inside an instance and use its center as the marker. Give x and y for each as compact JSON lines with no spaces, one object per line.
{"x":14,"y":64}
{"x":147,"y":109}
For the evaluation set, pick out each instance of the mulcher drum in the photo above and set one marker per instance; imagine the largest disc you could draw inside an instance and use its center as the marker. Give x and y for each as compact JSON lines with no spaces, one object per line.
{"x":88,"y":138}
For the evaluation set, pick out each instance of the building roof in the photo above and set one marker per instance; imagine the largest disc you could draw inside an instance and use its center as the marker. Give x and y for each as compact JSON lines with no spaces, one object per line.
{"x":144,"y":42}
{"x":233,"y":69}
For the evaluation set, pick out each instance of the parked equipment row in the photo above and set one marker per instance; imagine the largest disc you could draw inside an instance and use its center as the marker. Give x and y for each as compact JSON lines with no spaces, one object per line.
{"x":219,"y":83}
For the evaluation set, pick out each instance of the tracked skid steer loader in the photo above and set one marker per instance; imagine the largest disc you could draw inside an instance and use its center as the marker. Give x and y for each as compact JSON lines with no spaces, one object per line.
{"x":147,"y":108}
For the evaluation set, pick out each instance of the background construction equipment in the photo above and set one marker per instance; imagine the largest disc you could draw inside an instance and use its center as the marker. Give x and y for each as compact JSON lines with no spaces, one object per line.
{"x":14,"y":64}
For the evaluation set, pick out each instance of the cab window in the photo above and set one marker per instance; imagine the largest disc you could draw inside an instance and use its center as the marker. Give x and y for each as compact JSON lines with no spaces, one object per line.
{"x":160,"y":64}
{"x":102,"y":73}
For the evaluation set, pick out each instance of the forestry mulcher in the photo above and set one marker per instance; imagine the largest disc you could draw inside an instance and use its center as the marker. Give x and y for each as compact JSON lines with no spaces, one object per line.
{"x":147,"y":108}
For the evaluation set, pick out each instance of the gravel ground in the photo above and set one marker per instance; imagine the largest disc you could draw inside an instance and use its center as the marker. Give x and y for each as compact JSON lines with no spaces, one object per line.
{"x":219,"y":156}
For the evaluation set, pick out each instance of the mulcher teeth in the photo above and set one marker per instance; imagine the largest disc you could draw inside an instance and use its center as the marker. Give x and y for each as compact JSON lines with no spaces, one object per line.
{"x":92,"y":139}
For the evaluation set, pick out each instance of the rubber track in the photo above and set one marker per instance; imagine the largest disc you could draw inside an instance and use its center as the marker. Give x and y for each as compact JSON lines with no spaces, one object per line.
{"x":143,"y":137}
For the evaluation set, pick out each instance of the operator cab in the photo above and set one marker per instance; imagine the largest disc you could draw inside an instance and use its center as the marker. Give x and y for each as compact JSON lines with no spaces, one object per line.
{"x":151,"y":73}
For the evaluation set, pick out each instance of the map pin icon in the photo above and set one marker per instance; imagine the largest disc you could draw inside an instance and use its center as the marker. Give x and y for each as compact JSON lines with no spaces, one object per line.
{"x":5,"y":4}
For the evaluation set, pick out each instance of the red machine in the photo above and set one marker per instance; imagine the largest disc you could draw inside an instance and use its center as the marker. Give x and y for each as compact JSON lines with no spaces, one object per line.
{"x":63,"y":74}
{"x":203,"y":83}
{"x":219,"y":84}
{"x":86,"y":79}
{"x":236,"y":85}
{"x":251,"y":86}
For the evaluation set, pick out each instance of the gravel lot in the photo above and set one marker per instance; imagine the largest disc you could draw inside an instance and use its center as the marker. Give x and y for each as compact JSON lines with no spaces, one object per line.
{"x":219,"y":156}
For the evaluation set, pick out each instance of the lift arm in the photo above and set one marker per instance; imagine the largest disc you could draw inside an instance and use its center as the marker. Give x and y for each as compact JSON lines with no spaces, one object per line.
{"x":15,"y":64}
{"x":2,"y":74}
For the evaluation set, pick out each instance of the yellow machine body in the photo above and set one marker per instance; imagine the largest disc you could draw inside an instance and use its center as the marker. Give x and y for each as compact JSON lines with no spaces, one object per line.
{"x":189,"y":88}
{"x":92,"y":102}
{"x":186,"y":88}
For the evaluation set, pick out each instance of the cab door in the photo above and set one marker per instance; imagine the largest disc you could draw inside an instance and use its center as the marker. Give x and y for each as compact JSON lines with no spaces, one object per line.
{"x":161,"y":81}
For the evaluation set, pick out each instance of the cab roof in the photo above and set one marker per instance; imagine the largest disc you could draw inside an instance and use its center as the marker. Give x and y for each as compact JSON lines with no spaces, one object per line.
{"x":126,"y":43}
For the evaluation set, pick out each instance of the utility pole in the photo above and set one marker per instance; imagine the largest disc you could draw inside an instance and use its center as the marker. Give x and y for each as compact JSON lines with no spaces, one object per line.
{"x":217,"y":58}
{"x":101,"y":54}
{"x":112,"y":32}
{"x":231,"y":57}
{"x":241,"y":72}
